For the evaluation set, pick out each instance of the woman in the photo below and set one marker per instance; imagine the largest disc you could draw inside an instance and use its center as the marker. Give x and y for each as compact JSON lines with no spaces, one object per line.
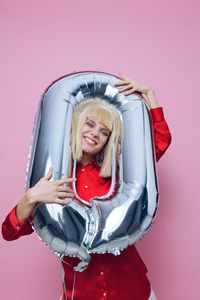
{"x":93,"y":132}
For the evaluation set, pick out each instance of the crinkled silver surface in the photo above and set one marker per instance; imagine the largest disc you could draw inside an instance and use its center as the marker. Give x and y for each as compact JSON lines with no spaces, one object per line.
{"x":108,"y":224}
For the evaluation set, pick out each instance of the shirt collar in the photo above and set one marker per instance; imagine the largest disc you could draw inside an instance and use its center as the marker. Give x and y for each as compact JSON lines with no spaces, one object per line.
{"x":92,"y":162}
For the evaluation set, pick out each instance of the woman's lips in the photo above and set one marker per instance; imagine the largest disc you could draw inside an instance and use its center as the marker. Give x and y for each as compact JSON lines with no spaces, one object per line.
{"x":89,"y":141}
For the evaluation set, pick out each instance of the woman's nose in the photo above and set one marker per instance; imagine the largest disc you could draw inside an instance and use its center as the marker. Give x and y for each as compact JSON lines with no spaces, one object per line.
{"x":95,"y":132}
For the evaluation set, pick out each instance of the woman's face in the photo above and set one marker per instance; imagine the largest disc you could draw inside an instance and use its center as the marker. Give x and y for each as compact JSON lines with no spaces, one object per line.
{"x":94,"y":137}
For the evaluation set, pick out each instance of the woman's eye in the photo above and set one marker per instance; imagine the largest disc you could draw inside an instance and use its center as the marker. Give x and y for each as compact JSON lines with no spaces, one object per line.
{"x":89,"y":124}
{"x":105,"y":133}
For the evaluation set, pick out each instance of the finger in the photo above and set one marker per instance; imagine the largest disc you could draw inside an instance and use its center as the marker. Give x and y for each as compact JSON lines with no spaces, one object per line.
{"x":62,"y":201}
{"x":64,"y":189}
{"x":49,"y":174}
{"x":65,"y":180}
{"x":130,"y":92}
{"x":64,"y":195}
{"x":128,"y":87}
{"x":123,"y":82}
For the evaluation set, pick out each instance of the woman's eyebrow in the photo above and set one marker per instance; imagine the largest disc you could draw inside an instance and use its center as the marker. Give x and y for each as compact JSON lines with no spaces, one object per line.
{"x":91,"y":120}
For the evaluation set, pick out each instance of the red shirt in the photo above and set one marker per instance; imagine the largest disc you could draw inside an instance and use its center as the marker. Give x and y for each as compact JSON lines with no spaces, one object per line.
{"x":107,"y":276}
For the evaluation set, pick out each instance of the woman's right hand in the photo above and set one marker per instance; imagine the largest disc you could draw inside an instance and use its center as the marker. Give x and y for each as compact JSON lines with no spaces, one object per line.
{"x":46,"y":191}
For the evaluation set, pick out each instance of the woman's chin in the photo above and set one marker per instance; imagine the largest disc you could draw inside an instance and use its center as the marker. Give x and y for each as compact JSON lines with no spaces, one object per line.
{"x":88,"y":152}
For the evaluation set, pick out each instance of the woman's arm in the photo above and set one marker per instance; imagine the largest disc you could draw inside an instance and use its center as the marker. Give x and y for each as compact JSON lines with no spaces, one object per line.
{"x":162,"y":135}
{"x":45,"y":191}
{"x":12,"y":228}
{"x":130,"y":86}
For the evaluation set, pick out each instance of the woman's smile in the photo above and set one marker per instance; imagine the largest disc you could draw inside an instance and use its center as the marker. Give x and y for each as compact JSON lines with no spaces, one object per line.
{"x":90,"y":141}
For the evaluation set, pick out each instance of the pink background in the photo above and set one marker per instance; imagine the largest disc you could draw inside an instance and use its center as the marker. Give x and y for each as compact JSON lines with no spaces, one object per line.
{"x":155,"y":42}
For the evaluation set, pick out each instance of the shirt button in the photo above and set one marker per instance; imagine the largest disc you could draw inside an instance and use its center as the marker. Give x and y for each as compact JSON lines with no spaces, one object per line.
{"x":86,"y":186}
{"x":82,"y":170}
{"x":104,"y":294}
{"x":101,"y":273}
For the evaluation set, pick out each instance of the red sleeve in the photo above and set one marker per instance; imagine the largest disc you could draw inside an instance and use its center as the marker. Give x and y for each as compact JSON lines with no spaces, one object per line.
{"x":12,"y":229}
{"x":162,"y":135}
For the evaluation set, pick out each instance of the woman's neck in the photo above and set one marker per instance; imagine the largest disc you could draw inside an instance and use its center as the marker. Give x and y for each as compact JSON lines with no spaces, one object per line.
{"x":85,"y":159}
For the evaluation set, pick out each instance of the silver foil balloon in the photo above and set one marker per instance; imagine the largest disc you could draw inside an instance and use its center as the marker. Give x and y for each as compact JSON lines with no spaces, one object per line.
{"x":108,"y":223}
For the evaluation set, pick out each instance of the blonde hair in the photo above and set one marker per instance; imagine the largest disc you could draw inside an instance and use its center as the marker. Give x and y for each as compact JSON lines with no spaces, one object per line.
{"x":106,"y":114}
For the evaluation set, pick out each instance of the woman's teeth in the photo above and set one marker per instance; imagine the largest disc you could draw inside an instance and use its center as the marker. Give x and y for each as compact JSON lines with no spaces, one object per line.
{"x":89,"y":141}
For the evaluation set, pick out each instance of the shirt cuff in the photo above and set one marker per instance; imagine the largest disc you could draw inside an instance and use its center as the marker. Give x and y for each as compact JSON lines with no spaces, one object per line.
{"x":157,"y":114}
{"x":14,"y":220}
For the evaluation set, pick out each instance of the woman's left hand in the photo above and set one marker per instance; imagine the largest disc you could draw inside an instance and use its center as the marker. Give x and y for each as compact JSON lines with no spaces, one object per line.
{"x":131,"y":86}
